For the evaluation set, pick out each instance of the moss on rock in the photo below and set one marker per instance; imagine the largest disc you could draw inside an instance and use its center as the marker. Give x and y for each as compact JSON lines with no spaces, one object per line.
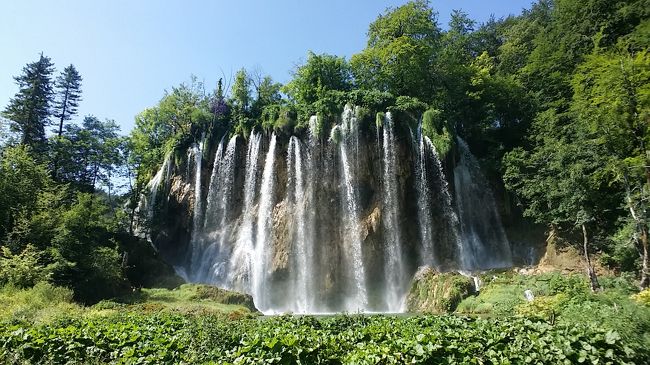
{"x":439,"y":132}
{"x":434,"y":292}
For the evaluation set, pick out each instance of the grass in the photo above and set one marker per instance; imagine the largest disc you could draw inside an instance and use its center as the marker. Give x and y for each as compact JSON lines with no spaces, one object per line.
{"x":563,"y":299}
{"x":41,"y":304}
{"x":45,"y":303}
{"x":188,"y":298}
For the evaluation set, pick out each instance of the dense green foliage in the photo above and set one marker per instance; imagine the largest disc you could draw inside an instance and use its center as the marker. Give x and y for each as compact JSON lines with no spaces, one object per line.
{"x":173,"y":338}
{"x":60,"y":219}
{"x":29,"y":110}
{"x":565,"y":323}
{"x":563,"y":299}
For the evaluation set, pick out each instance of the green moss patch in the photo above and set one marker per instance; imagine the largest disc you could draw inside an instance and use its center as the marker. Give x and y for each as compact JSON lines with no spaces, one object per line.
{"x":434,"y":292}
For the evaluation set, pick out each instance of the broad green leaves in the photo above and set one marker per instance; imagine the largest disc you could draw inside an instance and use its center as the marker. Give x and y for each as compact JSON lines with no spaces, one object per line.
{"x":172,"y":338}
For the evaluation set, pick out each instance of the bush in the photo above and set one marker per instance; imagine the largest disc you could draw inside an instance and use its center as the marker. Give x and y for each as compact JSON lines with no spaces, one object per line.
{"x":543,"y":307}
{"x":24,"y":269}
{"x":146,"y":338}
{"x":642,"y":298}
{"x":42,"y":303}
{"x":409,"y":109}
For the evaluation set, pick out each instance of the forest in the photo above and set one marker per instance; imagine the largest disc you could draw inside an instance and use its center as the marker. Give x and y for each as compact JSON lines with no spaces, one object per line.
{"x":553,"y":102}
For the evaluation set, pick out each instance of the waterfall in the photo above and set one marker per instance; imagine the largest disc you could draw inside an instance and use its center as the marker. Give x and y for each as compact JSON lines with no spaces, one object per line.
{"x":241,"y":263}
{"x":484,"y":244}
{"x":425,"y":221}
{"x":214,"y":178}
{"x":338,"y":224}
{"x":303,"y":277}
{"x":263,"y":246}
{"x":448,"y":212}
{"x":195,"y":153}
{"x":215,"y":227}
{"x":148,"y":201}
{"x":161,"y":177}
{"x":352,"y":230}
{"x":396,"y":279}
{"x":309,"y":211}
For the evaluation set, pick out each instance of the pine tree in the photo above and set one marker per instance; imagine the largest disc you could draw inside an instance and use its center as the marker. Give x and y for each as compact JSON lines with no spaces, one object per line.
{"x":68,"y":90}
{"x":29,"y":109}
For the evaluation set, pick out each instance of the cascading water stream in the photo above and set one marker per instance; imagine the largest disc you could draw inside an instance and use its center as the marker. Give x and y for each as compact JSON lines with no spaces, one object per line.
{"x":310,"y":212}
{"x":262,"y":243}
{"x":348,"y":137}
{"x":160,"y":178}
{"x":196,"y":153}
{"x":302,"y":283}
{"x":484,"y":244}
{"x":241,"y":263}
{"x":396,"y":279}
{"x":447,"y":204}
{"x":215,"y":227}
{"x":427,"y":252}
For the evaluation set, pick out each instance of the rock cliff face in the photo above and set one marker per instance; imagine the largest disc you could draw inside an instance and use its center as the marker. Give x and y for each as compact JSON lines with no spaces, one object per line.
{"x":317,"y":224}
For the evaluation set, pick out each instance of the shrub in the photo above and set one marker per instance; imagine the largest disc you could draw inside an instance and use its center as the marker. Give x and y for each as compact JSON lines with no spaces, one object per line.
{"x":543,"y":307}
{"x":42,"y":303}
{"x":642,"y":298}
{"x":24,"y":269}
{"x":408,"y":108}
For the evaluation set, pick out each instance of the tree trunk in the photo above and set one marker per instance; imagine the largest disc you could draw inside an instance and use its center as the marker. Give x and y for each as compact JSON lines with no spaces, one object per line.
{"x":591,"y":273}
{"x":65,"y":104}
{"x":641,"y":230}
{"x":645,"y":272}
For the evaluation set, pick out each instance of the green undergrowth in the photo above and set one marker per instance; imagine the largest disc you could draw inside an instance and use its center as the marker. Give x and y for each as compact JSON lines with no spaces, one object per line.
{"x":563,"y":299}
{"x":188,"y":298}
{"x":41,"y":304}
{"x":196,"y":324}
{"x":45,"y":303}
{"x":169,"y":337}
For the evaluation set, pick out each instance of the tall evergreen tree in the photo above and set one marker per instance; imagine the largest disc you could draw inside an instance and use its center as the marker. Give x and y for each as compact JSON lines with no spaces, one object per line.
{"x":29,"y":109}
{"x":68,"y":95}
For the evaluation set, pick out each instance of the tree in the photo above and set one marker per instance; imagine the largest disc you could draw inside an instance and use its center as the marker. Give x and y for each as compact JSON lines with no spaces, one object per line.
{"x":240,"y":100}
{"x":267,"y":94}
{"x":401,"y":46}
{"x":21,"y":179}
{"x":612,"y":100}
{"x":317,"y":85}
{"x":68,"y":85}
{"x":559,"y":180}
{"x":29,"y":109}
{"x":218,"y":105}
{"x":88,"y":155}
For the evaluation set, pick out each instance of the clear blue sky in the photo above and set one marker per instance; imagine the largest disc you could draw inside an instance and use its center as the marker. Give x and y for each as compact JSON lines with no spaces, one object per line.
{"x":128,"y":52}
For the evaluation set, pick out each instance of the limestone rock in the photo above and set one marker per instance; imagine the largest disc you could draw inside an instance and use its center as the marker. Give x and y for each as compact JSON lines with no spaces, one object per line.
{"x":282,"y":238}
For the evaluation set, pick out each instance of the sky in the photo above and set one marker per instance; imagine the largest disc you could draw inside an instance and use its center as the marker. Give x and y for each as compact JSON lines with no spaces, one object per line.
{"x":129,"y":52}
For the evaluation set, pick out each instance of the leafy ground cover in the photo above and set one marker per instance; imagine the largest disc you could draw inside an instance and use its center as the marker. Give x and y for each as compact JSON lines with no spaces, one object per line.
{"x":194,"y":324}
{"x":172,"y":337}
